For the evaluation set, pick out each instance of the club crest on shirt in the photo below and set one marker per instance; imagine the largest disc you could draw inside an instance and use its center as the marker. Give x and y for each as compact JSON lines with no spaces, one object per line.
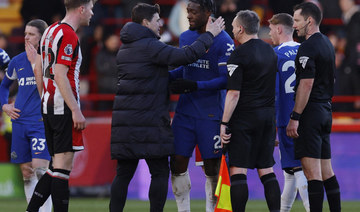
{"x":13,"y":155}
{"x":68,"y":49}
{"x":231,"y":68}
{"x":303,"y":60}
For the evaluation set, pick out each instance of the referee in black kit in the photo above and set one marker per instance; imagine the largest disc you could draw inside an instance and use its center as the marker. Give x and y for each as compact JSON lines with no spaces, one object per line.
{"x":249,"y":112}
{"x":311,"y":119}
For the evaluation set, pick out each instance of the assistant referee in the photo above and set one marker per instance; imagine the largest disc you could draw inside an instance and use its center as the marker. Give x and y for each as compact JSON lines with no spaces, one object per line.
{"x":311,"y":119}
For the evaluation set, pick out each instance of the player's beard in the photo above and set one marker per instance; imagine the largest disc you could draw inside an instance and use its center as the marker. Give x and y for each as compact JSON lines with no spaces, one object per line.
{"x":197,"y":26}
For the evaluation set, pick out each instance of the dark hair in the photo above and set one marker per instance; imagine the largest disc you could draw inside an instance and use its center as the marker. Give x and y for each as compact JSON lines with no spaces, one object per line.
{"x":143,"y":11}
{"x":71,"y":4}
{"x":249,"y":20}
{"x":283,"y":19}
{"x":309,"y":9}
{"x":208,"y":5}
{"x":39,"y":24}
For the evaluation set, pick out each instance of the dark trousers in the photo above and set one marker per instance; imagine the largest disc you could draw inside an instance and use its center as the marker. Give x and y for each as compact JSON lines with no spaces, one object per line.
{"x":159,"y":170}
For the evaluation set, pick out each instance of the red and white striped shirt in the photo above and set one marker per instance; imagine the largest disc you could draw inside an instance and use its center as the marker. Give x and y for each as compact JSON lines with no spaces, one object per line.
{"x":59,"y":45}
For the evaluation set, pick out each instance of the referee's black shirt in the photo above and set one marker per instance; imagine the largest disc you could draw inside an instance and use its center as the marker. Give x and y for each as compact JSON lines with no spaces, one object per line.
{"x":252,"y":71}
{"x":316,"y":60}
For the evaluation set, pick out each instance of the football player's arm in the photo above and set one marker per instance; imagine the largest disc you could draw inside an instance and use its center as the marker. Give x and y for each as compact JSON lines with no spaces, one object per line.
{"x":60,"y":77}
{"x":9,"y":78}
{"x":215,"y":83}
{"x":176,"y":73}
{"x":231,"y":100}
{"x":38,"y":75}
{"x":220,"y":81}
{"x":9,"y":109}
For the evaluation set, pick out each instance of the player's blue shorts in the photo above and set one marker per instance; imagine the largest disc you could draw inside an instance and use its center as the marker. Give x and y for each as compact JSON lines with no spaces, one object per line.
{"x":28,"y":142}
{"x":287,"y":153}
{"x":189,"y":131}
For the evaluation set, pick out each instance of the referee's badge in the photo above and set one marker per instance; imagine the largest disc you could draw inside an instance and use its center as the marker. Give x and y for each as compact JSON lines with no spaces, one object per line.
{"x":231,"y":68}
{"x":303,"y":60}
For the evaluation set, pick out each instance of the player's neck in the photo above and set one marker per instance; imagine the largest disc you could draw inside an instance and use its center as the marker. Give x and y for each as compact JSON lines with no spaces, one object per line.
{"x":72,"y":20}
{"x":285,"y":39}
{"x":201,"y":29}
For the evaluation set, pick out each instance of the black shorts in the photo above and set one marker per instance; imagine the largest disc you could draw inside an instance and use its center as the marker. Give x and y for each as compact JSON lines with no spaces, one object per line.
{"x":253,"y":139}
{"x":61,"y":135}
{"x":314,"y":132}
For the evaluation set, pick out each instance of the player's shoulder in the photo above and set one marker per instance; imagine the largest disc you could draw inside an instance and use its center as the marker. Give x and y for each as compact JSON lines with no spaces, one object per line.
{"x":188,"y":33}
{"x":287,"y":45}
{"x":307,"y":46}
{"x":67,"y":29}
{"x":223,"y":35}
{"x":19,"y":58}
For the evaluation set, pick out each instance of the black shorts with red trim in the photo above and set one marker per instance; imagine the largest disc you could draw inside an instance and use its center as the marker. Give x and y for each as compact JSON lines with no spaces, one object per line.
{"x":60,"y":134}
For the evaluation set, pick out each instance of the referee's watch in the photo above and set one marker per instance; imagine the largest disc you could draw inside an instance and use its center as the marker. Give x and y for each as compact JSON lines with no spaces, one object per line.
{"x":295,"y":116}
{"x":224,"y":123}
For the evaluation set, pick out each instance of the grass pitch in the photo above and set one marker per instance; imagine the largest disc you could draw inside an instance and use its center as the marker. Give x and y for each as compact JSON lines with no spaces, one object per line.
{"x":101,"y":204}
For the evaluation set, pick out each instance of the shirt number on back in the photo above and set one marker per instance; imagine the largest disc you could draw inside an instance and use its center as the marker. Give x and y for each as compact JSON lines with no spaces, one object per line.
{"x":286,"y":66}
{"x":50,"y":59}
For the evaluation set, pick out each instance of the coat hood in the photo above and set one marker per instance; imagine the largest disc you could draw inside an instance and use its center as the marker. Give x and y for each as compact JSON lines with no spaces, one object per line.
{"x":133,"y":31}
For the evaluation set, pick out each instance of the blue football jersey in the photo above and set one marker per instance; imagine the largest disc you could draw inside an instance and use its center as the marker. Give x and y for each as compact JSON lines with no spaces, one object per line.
{"x":286,"y":53}
{"x":27,"y":99}
{"x":210,"y":72}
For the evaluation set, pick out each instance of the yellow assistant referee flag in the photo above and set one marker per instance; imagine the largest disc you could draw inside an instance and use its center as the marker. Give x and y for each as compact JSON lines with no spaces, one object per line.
{"x":223,"y":189}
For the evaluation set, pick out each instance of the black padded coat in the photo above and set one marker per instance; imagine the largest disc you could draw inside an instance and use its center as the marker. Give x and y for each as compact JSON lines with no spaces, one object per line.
{"x":140,"y":125}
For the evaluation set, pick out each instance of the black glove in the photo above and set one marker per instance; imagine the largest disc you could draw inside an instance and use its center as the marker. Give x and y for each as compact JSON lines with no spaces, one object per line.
{"x":183,"y":86}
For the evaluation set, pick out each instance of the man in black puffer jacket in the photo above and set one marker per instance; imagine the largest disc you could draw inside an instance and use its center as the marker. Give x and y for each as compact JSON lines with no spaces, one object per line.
{"x":140,"y":126}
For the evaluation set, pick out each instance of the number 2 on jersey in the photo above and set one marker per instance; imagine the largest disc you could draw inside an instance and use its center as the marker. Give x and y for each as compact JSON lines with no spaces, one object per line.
{"x":286,"y":66}
{"x":49,"y":58}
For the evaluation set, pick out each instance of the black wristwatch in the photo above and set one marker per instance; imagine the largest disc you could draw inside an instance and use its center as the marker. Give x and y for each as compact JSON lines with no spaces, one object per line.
{"x":295,"y":116}
{"x":224,"y":123}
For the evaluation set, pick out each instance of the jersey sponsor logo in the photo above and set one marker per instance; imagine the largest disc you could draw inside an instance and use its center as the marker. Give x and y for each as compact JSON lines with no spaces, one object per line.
{"x":27,"y":81}
{"x":303,"y":60}
{"x":68,"y":49}
{"x":231,"y":68}
{"x":201,"y":63}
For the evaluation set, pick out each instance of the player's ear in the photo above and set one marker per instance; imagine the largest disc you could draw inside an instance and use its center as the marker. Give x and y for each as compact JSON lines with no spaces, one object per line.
{"x":81,"y":9}
{"x":145,"y":22}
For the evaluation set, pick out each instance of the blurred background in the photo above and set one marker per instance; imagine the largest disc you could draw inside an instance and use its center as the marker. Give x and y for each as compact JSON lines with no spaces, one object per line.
{"x":94,"y":170}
